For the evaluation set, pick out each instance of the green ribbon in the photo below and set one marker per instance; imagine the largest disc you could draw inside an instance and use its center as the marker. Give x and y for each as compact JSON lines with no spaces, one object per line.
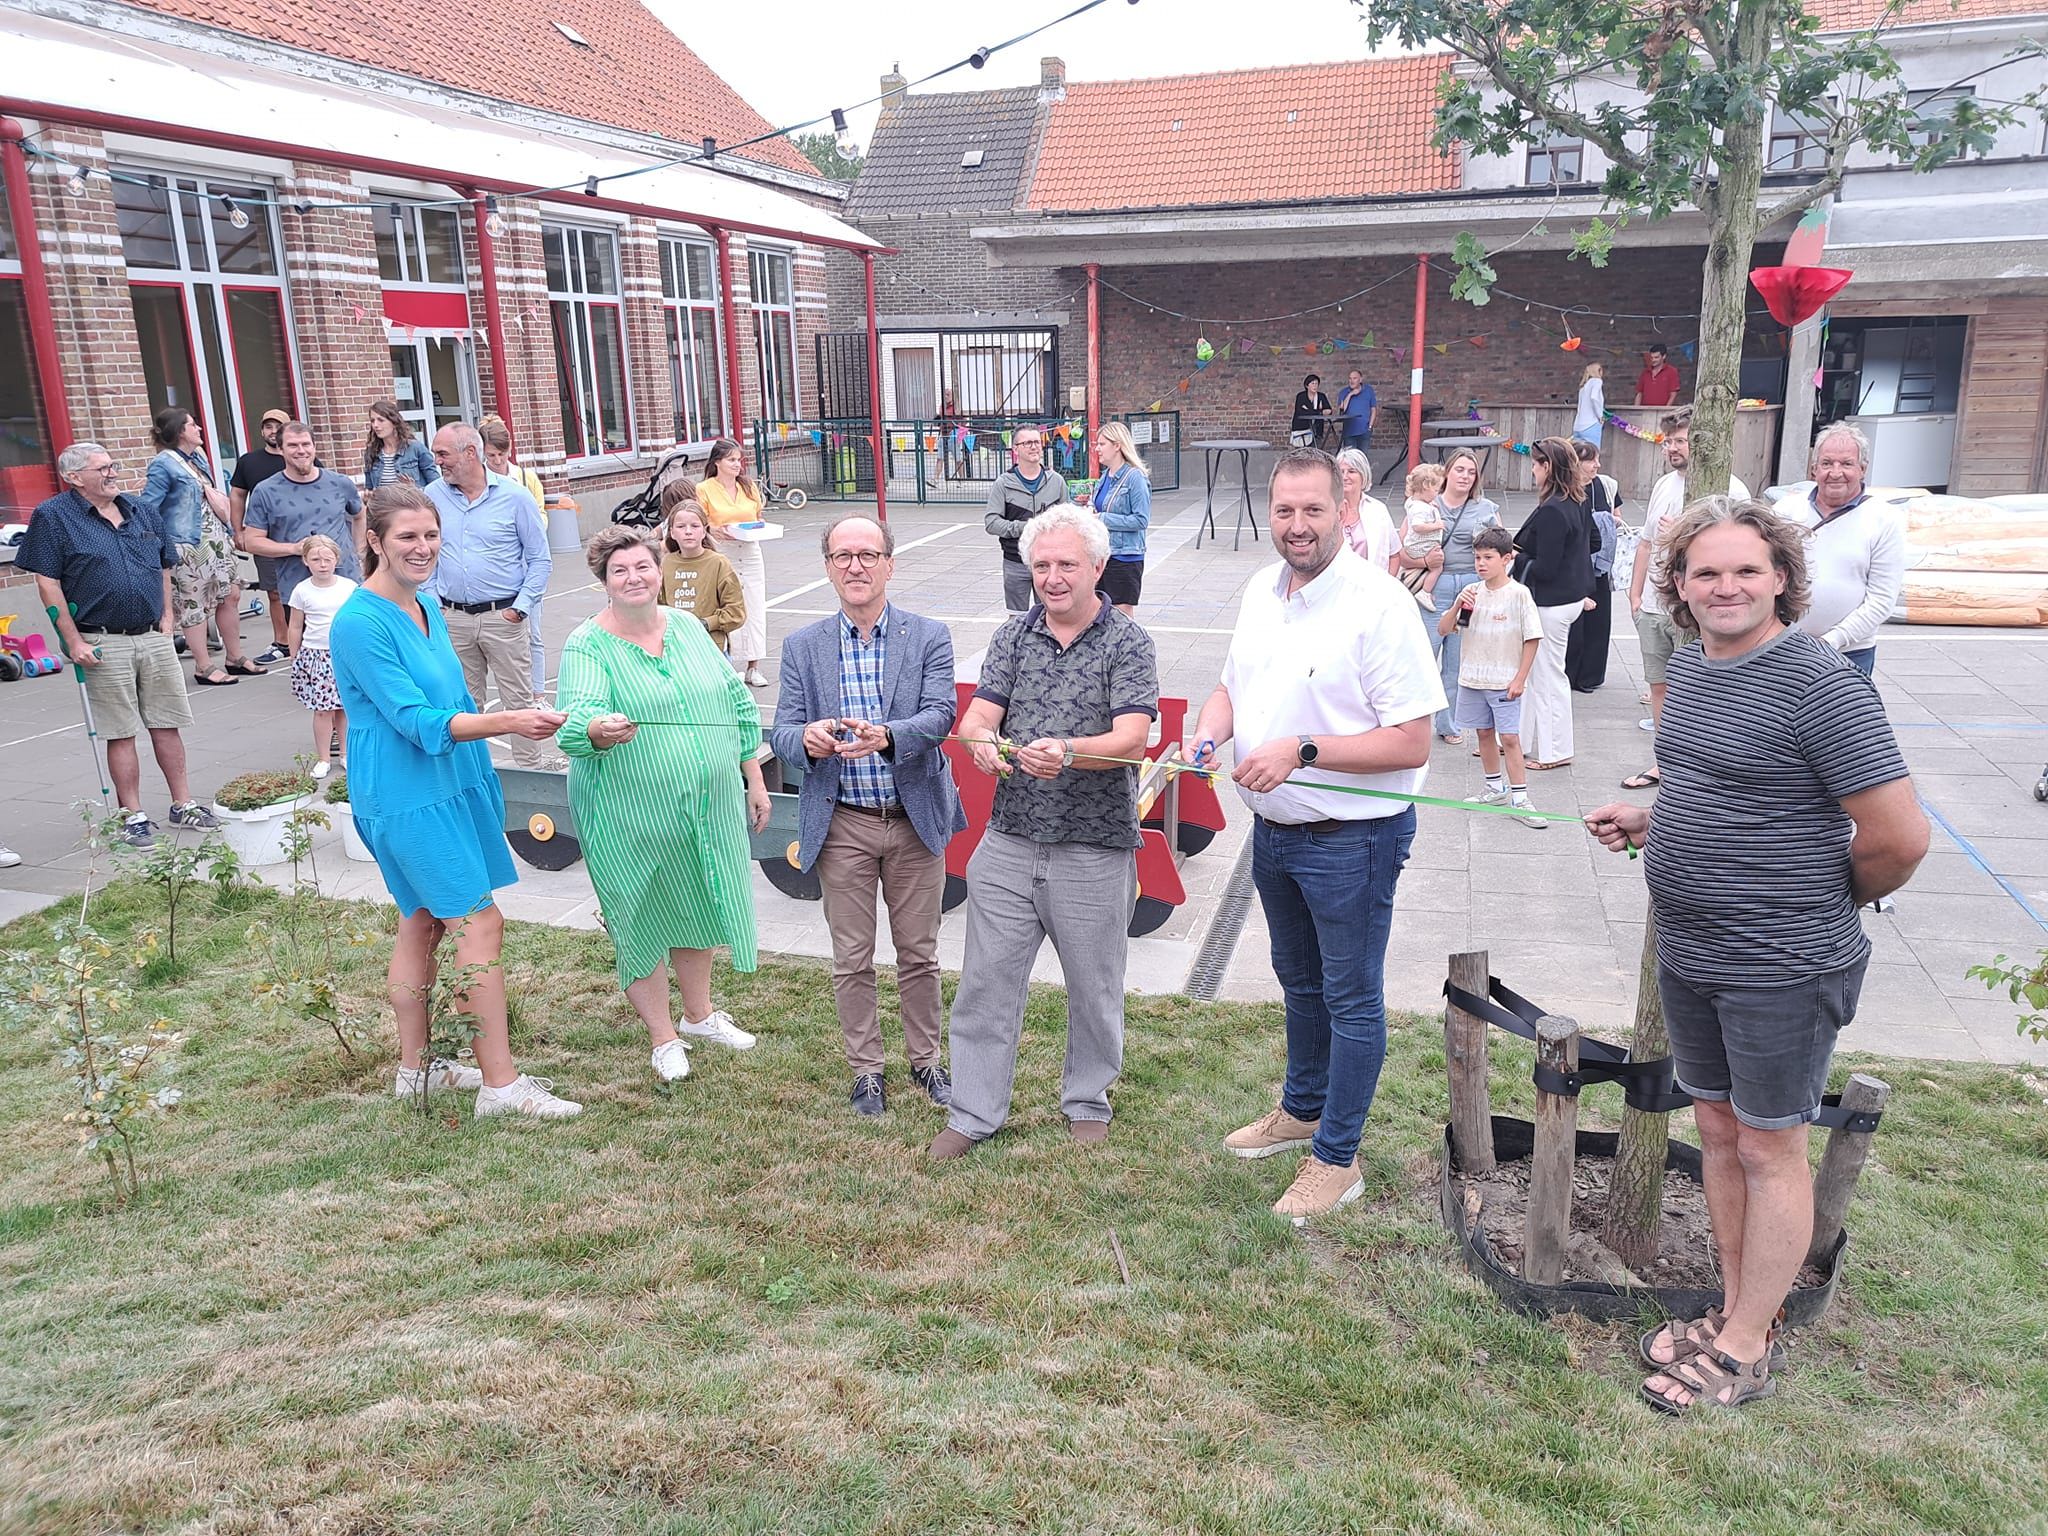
{"x":1004,"y":747}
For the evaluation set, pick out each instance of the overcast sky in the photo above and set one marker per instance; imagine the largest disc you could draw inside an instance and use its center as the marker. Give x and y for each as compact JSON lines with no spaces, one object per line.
{"x":802,"y":57}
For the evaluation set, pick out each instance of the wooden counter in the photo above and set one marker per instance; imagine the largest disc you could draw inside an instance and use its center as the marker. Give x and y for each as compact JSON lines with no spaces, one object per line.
{"x":1634,"y":462}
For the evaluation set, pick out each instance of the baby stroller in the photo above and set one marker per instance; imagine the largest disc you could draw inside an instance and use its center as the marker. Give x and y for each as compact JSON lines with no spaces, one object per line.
{"x":642,"y":509}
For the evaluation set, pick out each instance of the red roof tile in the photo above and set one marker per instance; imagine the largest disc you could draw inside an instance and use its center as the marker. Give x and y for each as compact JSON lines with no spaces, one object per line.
{"x":636,"y":74}
{"x":1842,"y":15}
{"x":1300,"y":134}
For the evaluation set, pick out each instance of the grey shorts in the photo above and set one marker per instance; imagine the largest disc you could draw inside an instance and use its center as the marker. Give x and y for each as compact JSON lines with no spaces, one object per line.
{"x":138,"y":685}
{"x":266,"y":572}
{"x":1659,"y":639}
{"x":1763,"y":1050}
{"x":1488,"y":709}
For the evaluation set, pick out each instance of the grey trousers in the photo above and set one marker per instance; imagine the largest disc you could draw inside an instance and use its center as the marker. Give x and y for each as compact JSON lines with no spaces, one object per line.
{"x":1019,"y":893}
{"x":493,"y":648}
{"x":1017,"y":593}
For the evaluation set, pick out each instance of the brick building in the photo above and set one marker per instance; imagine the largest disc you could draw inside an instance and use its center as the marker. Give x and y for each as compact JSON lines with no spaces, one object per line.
{"x":253,"y":203}
{"x":1280,"y":216}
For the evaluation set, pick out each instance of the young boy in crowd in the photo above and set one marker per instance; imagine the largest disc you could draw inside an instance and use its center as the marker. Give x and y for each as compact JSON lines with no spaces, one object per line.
{"x":1422,"y":530}
{"x":1502,"y":629}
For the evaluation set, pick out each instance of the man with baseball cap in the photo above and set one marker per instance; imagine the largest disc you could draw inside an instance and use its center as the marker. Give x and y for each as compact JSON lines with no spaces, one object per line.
{"x":251,"y":470}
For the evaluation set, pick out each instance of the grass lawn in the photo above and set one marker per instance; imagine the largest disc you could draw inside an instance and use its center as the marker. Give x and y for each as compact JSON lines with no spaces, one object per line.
{"x":740,"y":1309}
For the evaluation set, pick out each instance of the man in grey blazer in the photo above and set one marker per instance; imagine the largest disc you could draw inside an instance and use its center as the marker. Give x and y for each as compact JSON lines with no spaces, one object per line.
{"x":867,"y":698}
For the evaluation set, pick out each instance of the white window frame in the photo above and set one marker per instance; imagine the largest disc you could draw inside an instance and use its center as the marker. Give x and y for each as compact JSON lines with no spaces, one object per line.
{"x":583,"y":349}
{"x":685,"y":312}
{"x":210,"y":285}
{"x":765,"y":368}
{"x":412,"y":246}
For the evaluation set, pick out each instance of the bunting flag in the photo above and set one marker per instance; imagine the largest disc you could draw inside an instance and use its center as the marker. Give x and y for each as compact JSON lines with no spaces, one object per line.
{"x":1628,"y":428}
{"x":1370,"y":341}
{"x":1440,"y":348}
{"x":1477,"y":341}
{"x":1342,"y":345}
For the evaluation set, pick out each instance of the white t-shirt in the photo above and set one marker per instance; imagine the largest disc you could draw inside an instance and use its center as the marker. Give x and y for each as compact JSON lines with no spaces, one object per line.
{"x":1592,"y":412}
{"x":1667,"y":505}
{"x":1491,"y":651}
{"x":319,"y":605}
{"x":1342,"y":656}
{"x":1857,"y":564}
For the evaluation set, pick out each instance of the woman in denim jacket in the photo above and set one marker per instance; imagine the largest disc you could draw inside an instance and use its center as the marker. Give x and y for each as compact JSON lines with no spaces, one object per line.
{"x":1123,"y":500}
{"x":180,"y":491}
{"x":392,"y":453}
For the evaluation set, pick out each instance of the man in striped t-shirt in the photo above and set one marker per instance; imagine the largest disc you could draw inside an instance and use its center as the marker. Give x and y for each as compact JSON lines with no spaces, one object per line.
{"x":1785,"y":803}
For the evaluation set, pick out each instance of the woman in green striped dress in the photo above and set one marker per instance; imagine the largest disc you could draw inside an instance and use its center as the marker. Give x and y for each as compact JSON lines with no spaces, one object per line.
{"x":665,"y":784}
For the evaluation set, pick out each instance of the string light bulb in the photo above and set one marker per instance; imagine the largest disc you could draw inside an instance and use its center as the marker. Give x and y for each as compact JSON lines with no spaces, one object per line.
{"x":841,"y":134}
{"x":238,"y":216}
{"x":590,"y":186}
{"x":76,"y":185}
{"x":979,"y":58}
{"x":494,"y":221}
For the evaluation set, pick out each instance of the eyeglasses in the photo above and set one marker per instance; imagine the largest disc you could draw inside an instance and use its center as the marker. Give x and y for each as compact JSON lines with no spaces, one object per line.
{"x":101,"y":469}
{"x":846,"y":559}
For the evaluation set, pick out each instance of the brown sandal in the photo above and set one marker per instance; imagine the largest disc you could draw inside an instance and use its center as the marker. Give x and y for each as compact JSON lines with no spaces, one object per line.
{"x":1707,"y":1376}
{"x":1686,"y":1339}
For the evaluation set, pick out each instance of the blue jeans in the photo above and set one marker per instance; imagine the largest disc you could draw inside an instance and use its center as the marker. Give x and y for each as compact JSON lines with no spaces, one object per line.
{"x":1328,"y":895}
{"x":1448,"y":648}
{"x":1864,"y":661}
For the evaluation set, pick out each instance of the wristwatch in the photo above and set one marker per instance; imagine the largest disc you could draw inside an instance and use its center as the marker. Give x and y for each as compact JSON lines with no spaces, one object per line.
{"x":1305,"y":751}
{"x":1067,"y":753}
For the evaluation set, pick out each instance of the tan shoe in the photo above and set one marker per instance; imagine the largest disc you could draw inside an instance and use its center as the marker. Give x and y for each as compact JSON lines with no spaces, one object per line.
{"x":949,"y":1144}
{"x":1276,"y":1131}
{"x":1088,"y":1132}
{"x":1319,"y":1189}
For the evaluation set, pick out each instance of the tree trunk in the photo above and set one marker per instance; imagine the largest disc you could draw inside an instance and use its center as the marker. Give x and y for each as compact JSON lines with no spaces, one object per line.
{"x":1730,"y":207}
{"x":1635,"y":1194}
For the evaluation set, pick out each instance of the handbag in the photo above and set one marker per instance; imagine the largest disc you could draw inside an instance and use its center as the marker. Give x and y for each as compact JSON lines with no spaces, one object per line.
{"x":1302,"y":439}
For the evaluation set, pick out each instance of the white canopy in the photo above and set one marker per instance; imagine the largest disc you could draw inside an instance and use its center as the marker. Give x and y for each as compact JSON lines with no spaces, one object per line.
{"x":154,"y":83}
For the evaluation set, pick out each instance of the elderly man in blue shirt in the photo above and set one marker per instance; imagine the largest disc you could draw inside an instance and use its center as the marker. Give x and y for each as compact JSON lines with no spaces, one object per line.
{"x":493,"y":571}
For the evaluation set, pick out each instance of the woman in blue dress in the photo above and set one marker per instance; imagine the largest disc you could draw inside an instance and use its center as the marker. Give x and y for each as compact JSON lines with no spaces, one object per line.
{"x":426,"y":801}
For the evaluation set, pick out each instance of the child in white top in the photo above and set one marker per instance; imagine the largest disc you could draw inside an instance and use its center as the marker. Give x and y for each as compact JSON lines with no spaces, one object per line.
{"x":314,"y":602}
{"x":1422,"y":533}
{"x":1502,"y":632}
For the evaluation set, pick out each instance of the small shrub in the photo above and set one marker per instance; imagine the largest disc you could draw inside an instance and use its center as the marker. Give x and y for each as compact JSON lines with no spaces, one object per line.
{"x":272,"y":786}
{"x":302,"y":981}
{"x":337,"y":787}
{"x":2026,"y":985}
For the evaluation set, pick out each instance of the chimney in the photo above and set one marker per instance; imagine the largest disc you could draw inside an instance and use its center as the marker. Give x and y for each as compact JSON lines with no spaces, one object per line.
{"x":1052,"y":79}
{"x":893,"y":86}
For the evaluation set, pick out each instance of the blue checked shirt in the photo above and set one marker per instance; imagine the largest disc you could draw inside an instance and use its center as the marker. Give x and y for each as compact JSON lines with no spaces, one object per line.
{"x":864,"y":780}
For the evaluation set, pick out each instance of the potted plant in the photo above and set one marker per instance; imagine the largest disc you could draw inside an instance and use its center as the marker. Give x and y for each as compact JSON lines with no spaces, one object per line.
{"x":339,"y":808}
{"x":253,"y":809}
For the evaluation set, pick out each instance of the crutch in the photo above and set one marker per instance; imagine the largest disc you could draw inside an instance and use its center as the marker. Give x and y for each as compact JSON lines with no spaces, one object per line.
{"x":92,"y":734}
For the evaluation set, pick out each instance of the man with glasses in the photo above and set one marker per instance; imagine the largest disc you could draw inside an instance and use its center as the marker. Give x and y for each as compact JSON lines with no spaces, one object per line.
{"x":251,"y":470}
{"x":103,"y":568}
{"x":1016,"y":496}
{"x":867,"y":698}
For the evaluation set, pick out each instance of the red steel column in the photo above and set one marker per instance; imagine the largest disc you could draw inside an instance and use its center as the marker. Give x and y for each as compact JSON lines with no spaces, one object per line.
{"x":494,"y":319}
{"x":867,"y":261}
{"x":735,"y":422}
{"x":35,"y":283}
{"x":1415,"y":373}
{"x":1094,"y":363}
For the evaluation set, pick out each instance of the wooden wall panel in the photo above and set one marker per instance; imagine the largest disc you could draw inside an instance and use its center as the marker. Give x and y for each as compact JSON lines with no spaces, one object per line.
{"x":2004,"y":407}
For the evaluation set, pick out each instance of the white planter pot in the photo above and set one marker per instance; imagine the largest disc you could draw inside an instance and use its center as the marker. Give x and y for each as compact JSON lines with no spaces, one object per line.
{"x":352,"y":842}
{"x":258,"y":836}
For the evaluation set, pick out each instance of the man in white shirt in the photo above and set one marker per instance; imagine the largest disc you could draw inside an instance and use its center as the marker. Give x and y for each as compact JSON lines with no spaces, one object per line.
{"x":1653,"y":626}
{"x":1329,"y":676}
{"x":1855,"y":547}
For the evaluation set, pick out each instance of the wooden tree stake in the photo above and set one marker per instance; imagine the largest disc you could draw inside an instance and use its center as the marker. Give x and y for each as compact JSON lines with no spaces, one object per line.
{"x":1841,"y":1164}
{"x":1550,"y":1168}
{"x":1465,"y":1060}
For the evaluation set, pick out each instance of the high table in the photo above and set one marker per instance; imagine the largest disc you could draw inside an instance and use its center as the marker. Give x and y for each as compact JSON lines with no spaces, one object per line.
{"x":1443,"y":446}
{"x":1212,"y":471}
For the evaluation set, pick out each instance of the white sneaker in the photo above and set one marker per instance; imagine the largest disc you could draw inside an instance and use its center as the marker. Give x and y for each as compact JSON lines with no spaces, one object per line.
{"x":1528,"y":821}
{"x":8,"y":857}
{"x":756,"y":678}
{"x":1488,"y":796}
{"x":322,"y":768}
{"x":439,"y":1073}
{"x":1646,"y":724}
{"x":719,"y":1028}
{"x":671,"y":1061}
{"x":525,"y":1096}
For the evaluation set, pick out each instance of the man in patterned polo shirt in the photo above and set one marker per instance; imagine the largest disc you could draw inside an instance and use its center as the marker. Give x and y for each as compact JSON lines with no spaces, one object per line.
{"x":1066,"y":690}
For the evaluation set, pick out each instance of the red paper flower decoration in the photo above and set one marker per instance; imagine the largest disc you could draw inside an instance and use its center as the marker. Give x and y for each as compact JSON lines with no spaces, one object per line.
{"x":1793,"y":294}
